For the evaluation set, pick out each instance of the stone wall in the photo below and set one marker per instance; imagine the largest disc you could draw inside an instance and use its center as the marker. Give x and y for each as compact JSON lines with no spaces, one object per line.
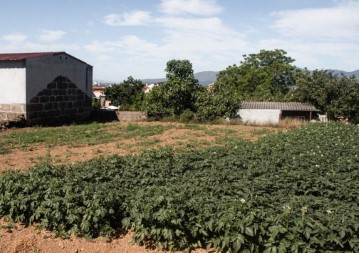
{"x":60,"y":102}
{"x":12,"y":112}
{"x":131,"y":116}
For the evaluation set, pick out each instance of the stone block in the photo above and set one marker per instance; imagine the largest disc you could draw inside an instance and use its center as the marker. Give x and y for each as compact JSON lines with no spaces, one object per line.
{"x":62,"y":85}
{"x":78,"y":104}
{"x":14,"y":116}
{"x":34,"y":107}
{"x":34,"y":100}
{"x":17,"y":108}
{"x":52,"y":85}
{"x":3,"y":116}
{"x":59,"y":98}
{"x":48,"y":106}
{"x":44,"y":99}
{"x":5,"y":107}
{"x":33,"y":115}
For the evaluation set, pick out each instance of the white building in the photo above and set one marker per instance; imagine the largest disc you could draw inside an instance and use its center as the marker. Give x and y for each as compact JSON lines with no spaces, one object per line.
{"x":44,"y":87}
{"x":271,"y":112}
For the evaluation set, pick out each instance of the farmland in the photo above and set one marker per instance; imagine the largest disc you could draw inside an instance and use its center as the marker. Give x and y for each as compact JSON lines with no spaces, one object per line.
{"x":60,"y":145}
{"x":286,"y":192}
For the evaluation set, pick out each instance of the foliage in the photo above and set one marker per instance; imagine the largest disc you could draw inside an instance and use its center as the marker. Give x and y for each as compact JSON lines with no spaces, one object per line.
{"x":96,"y":104}
{"x":129,"y":94}
{"x":177,"y":93}
{"x":265,"y":76}
{"x":216,"y":103}
{"x":290,"y":192}
{"x":187,"y":116}
{"x":335,"y":95}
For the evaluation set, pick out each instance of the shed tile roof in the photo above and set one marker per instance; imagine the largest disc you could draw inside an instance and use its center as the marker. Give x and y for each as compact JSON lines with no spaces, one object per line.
{"x":284,"y":106}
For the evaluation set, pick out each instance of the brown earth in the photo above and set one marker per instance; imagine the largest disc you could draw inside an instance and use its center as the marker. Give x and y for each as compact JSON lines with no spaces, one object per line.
{"x":175,"y":137}
{"x":21,"y":239}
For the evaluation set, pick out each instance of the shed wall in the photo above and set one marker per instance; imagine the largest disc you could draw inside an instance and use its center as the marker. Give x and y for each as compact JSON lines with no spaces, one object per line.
{"x":12,"y":86}
{"x":257,"y":116}
{"x":12,"y":93}
{"x":43,"y":70}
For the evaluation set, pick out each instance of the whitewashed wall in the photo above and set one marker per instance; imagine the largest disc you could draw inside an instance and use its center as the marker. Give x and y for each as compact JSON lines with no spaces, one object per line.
{"x":259,"y":116}
{"x":12,"y":85}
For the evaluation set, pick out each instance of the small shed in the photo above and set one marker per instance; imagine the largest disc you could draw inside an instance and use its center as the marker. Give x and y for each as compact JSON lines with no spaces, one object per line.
{"x":44,"y":87}
{"x":272,"y":112}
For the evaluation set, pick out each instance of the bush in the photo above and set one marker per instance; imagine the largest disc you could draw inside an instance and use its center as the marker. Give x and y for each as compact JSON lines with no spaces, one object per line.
{"x":187,"y":116}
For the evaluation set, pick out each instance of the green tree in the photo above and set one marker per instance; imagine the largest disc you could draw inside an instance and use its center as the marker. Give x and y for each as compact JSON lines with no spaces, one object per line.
{"x":338,"y":96}
{"x":128,"y":95}
{"x":214,"y":103}
{"x":177,"y":93}
{"x":265,"y":76}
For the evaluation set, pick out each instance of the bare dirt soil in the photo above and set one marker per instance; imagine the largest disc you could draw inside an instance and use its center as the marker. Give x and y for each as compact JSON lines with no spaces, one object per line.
{"x":21,"y":239}
{"x":21,"y":159}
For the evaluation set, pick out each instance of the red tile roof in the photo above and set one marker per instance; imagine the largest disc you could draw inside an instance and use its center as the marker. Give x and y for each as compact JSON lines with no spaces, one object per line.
{"x":24,"y":56}
{"x":284,"y":106}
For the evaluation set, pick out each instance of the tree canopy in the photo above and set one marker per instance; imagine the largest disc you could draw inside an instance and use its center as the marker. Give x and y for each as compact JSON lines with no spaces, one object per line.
{"x":128,"y":94}
{"x":338,"y":96}
{"x":265,"y":76}
{"x":177,"y":93}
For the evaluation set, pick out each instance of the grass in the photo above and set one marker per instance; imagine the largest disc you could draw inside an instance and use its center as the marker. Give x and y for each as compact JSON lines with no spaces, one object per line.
{"x":39,"y":144}
{"x":136,"y":130}
{"x":74,"y":135}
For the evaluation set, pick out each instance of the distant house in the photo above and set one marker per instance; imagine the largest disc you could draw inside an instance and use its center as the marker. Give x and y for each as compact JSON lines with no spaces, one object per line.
{"x":98,"y":91}
{"x":44,"y":87}
{"x":272,"y":112}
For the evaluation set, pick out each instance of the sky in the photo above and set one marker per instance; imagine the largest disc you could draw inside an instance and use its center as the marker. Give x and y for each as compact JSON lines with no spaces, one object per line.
{"x":137,"y":37}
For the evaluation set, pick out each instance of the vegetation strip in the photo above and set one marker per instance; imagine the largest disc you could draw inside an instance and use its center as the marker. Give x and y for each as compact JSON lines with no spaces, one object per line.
{"x":289,"y":192}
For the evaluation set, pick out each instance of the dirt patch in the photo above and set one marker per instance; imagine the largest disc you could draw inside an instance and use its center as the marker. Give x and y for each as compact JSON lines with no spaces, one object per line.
{"x":21,"y":239}
{"x":178,"y":137}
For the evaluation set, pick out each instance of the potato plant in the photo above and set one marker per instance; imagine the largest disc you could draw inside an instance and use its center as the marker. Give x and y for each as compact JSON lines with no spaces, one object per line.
{"x":289,"y":192}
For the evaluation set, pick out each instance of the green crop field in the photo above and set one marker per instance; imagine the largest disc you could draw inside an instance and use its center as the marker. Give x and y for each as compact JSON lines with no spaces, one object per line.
{"x":287,"y":192}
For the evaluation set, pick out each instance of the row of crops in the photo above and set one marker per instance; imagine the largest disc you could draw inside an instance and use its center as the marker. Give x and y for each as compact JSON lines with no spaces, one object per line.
{"x":289,"y":192}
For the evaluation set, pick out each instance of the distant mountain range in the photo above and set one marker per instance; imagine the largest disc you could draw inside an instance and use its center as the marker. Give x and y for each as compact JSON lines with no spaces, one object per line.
{"x":352,"y":73}
{"x":204,"y":78}
{"x":208,"y":77}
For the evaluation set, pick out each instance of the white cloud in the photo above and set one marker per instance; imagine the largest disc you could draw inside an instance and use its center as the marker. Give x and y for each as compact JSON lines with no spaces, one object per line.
{"x":319,"y":37}
{"x":205,"y":41}
{"x":21,"y":43}
{"x":132,"y":18}
{"x":318,"y":54}
{"x":51,"y":36}
{"x":338,"y":22}
{"x":98,"y":48}
{"x":15,"y":38}
{"x":194,"y":7}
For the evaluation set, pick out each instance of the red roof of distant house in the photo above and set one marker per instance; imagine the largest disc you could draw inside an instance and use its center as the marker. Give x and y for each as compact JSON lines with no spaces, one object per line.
{"x":24,"y":56}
